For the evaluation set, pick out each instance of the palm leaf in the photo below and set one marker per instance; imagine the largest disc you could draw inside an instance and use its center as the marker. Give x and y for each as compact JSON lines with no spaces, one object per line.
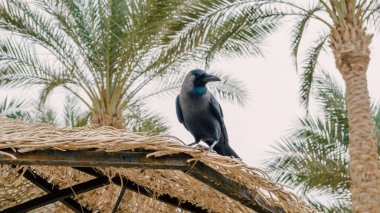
{"x":298,"y":32}
{"x":46,"y":114}
{"x":331,"y":207}
{"x":309,"y":68}
{"x":143,"y":121}
{"x":229,"y":27}
{"x":371,"y":13}
{"x":14,"y":108}
{"x":332,"y":100}
{"x":228,"y":89}
{"x":74,"y":116}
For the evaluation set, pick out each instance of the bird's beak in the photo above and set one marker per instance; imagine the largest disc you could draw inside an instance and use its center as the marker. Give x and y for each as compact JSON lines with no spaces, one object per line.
{"x":208,"y":78}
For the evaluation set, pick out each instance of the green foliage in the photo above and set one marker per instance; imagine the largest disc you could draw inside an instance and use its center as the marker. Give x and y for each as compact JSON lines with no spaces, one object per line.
{"x":47,"y":115}
{"x":14,"y":108}
{"x":74,"y":115}
{"x":143,"y":121}
{"x":105,"y":52}
{"x":32,"y":112}
{"x":221,"y":27}
{"x":27,"y":111}
{"x":331,"y":207}
{"x":230,"y":89}
{"x":309,"y":68}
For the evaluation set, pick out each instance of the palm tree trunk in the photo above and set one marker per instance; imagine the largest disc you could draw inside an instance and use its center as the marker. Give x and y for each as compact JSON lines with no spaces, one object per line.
{"x":103,"y":119}
{"x":350,"y":45}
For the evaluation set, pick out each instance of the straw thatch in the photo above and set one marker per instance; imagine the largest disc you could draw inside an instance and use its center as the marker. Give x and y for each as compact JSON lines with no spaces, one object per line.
{"x":22,"y":137}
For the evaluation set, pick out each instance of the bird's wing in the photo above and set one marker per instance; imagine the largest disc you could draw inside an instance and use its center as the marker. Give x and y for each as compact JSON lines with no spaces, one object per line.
{"x":218,"y":113}
{"x":179,"y":110}
{"x":216,"y":109}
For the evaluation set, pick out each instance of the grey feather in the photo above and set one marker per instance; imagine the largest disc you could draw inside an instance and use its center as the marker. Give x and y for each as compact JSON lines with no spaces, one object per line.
{"x":178,"y":110}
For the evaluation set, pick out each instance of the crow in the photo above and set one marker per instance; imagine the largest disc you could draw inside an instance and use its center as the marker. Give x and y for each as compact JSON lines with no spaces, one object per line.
{"x":201,"y":114}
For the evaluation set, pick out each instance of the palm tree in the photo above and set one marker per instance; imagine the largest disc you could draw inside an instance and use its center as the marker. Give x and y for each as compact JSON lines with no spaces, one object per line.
{"x":314,"y":158}
{"x":349,"y":42}
{"x":345,"y":24}
{"x":102,"y":52}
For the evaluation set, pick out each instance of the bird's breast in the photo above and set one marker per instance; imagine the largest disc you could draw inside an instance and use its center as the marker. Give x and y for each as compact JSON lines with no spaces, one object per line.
{"x":199,"y":118}
{"x":195,"y":106}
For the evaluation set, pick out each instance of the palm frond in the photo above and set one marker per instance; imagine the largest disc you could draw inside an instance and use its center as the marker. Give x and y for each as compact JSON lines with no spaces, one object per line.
{"x":14,"y":108}
{"x":314,"y":157}
{"x":143,"y":121}
{"x":298,"y":31}
{"x":19,"y":65}
{"x":46,"y":114}
{"x":332,"y":100}
{"x":225,"y":27}
{"x":341,"y":205}
{"x":18,"y":17}
{"x":376,"y":118}
{"x":229,"y":89}
{"x":309,"y":69}
{"x":242,"y":34}
{"x":74,"y":115}
{"x":371,"y":14}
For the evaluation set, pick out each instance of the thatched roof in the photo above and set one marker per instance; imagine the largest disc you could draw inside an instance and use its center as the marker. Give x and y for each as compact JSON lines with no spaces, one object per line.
{"x":160,"y":174}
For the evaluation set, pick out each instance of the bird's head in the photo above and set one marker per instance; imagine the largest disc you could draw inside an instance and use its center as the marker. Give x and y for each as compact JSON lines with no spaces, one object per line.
{"x":196,"y":81}
{"x":200,"y":78}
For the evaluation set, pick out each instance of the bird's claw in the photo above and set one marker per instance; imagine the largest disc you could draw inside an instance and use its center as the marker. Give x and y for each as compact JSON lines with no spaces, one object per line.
{"x":200,"y":147}
{"x":203,"y":148}
{"x":210,"y":151}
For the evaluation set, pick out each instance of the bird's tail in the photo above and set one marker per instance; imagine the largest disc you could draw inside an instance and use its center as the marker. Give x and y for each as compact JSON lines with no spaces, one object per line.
{"x":223,"y":148}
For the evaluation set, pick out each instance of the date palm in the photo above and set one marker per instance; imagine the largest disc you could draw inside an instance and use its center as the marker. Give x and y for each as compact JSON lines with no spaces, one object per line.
{"x":103,"y":52}
{"x":345,"y":22}
{"x":313,"y":157}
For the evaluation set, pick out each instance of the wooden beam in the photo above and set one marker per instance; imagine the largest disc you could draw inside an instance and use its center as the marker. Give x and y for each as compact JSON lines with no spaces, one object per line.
{"x":48,"y":187}
{"x":138,"y":159}
{"x":119,"y":199}
{"x":58,"y":195}
{"x":76,"y":158}
{"x":238,"y":192}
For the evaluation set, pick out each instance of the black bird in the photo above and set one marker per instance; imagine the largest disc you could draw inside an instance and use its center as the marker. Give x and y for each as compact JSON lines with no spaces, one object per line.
{"x":200,"y":113}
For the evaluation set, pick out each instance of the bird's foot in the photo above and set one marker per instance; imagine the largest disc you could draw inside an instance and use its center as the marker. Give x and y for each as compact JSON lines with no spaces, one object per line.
{"x":211,"y":148}
{"x":210,"y":151}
